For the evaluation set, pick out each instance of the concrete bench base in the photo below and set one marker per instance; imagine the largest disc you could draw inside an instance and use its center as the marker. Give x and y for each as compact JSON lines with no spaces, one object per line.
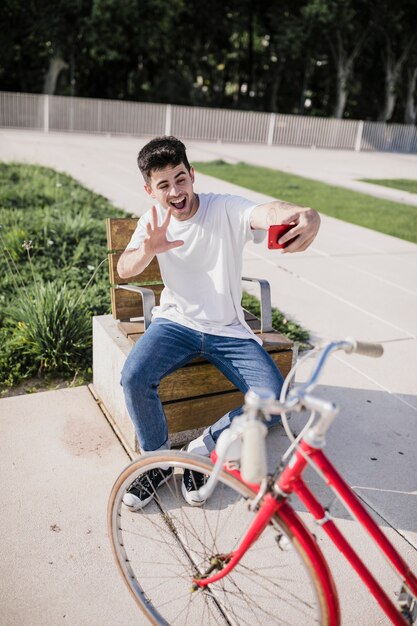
{"x":110,"y":350}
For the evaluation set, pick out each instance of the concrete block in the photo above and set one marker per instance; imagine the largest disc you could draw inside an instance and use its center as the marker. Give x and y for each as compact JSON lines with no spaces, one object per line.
{"x":110,"y":350}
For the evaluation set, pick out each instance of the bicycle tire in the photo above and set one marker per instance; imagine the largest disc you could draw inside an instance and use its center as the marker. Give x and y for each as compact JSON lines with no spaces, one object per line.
{"x":160,"y":548}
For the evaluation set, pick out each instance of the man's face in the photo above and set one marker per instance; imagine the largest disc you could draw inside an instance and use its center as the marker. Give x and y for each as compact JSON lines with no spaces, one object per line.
{"x":172,"y":187}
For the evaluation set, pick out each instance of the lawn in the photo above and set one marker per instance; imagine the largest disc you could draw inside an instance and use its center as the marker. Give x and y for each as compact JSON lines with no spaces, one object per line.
{"x":53,"y":274}
{"x":391,"y":218}
{"x":404,"y":184}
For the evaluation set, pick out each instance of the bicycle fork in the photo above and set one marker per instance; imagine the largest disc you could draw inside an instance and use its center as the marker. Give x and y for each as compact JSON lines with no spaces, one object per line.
{"x":271,"y":504}
{"x":226,"y":562}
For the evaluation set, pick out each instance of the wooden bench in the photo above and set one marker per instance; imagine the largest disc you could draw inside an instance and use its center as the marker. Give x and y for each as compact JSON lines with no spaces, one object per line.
{"x":194,"y":396}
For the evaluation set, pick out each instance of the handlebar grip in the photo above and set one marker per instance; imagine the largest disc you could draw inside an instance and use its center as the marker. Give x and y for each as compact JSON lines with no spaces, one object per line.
{"x":367,"y":349}
{"x":253,"y":461}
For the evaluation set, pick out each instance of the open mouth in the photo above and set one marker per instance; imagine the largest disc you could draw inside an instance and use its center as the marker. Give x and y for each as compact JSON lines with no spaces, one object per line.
{"x":179,"y":205}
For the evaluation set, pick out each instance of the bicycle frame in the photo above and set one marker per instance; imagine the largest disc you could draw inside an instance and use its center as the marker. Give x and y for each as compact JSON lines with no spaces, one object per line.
{"x":290,"y":481}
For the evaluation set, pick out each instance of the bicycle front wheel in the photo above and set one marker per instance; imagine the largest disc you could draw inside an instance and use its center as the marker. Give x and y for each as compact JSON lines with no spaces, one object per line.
{"x":161,"y":548}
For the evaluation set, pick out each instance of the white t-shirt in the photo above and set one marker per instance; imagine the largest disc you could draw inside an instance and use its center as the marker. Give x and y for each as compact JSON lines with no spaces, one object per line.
{"x":202,"y":278}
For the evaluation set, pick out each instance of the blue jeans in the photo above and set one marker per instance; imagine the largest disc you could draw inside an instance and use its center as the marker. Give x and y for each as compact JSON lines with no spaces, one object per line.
{"x":167,"y":346}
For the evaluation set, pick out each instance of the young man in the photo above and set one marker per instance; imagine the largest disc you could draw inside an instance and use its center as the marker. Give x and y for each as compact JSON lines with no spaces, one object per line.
{"x":198,"y":240}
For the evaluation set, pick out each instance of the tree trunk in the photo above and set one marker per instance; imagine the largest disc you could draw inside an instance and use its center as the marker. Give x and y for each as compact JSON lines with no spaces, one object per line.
{"x":390,"y":97}
{"x":393,"y":68}
{"x":271,"y":96}
{"x":344,"y":64}
{"x":343,"y":73}
{"x":250,"y":51}
{"x":410,"y":114}
{"x":306,"y":77}
{"x":272,"y":84}
{"x":56,"y":65}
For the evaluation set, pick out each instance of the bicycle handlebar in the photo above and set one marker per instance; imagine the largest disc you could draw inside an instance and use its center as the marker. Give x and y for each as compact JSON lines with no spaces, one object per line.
{"x":252,"y":431}
{"x":253,"y":460}
{"x":349,"y":345}
{"x":374,"y":350}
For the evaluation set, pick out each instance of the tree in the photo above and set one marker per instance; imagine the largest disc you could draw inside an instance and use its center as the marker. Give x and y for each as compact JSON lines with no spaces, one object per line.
{"x":410,"y":113}
{"x":61,"y":29}
{"x":346,"y":27}
{"x":20,"y":49}
{"x":328,"y":57}
{"x":397,"y":29}
{"x":283,"y":33}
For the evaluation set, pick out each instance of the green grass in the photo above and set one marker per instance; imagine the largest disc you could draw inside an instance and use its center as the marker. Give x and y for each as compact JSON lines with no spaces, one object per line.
{"x":395,"y":183}
{"x":53,"y":244}
{"x":391,"y":218}
{"x":283,"y":325}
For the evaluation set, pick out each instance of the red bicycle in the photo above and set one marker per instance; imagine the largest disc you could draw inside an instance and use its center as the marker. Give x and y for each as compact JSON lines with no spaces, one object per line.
{"x":246,"y":556}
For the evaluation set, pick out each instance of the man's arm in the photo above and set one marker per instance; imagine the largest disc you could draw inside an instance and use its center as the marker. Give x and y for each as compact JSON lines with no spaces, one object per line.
{"x":134,"y":261}
{"x":306,"y":223}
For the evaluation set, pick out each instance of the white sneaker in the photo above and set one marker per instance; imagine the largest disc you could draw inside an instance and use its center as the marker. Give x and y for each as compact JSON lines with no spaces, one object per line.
{"x":143,"y":489}
{"x":190,"y":484}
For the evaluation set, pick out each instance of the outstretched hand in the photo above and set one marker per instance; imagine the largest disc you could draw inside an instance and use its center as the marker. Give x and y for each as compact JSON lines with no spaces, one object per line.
{"x":306,"y":226}
{"x":156,"y":241}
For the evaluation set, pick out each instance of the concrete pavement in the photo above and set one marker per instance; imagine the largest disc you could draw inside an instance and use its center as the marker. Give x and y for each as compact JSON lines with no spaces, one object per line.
{"x":352,"y":281}
{"x":59,"y":459}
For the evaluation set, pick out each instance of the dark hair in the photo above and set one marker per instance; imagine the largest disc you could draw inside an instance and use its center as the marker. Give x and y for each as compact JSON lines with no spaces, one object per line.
{"x":159,"y":153}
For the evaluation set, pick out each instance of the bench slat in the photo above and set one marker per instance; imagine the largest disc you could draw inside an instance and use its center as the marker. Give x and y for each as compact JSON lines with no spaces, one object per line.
{"x":199,"y":412}
{"x":150,"y":274}
{"x":198,"y":378}
{"x":201,"y":379}
{"x":127,"y":305}
{"x":120,"y":231}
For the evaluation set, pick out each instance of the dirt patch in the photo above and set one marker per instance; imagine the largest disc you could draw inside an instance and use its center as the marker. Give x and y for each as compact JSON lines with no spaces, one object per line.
{"x":36,"y":384}
{"x":83,"y":437}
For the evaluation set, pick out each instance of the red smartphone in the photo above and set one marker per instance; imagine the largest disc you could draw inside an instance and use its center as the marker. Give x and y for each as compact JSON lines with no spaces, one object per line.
{"x":275,"y":232}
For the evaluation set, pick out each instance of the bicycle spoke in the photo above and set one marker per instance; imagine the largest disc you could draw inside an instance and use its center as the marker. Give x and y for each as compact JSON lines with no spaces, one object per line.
{"x":259,"y":607}
{"x":273,"y":583}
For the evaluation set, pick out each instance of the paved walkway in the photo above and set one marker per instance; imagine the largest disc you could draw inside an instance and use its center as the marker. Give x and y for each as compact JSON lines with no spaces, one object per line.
{"x":59,"y":456}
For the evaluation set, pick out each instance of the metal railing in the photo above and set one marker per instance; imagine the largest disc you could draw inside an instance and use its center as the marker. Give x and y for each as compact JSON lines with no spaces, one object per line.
{"x":88,"y":115}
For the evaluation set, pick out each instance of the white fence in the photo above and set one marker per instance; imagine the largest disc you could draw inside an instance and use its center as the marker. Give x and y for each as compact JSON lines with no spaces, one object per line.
{"x":87,"y":115}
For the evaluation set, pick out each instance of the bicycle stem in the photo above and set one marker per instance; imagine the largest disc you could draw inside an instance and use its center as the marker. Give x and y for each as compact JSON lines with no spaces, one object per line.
{"x":328,"y":411}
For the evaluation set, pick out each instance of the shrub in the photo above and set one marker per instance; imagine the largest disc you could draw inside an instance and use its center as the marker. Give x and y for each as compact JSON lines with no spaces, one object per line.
{"x":50,"y":330}
{"x":45,"y":321}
